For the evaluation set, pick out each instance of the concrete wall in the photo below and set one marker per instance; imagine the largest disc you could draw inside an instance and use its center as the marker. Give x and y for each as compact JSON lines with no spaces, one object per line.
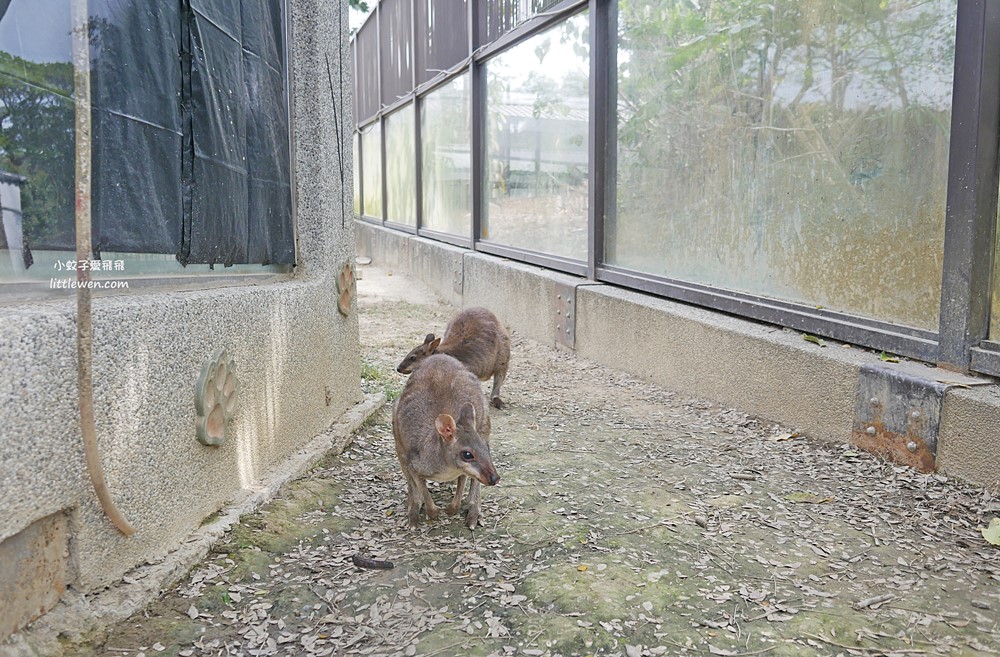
{"x":296,"y":356}
{"x":763,"y":370}
{"x":969,"y":442}
{"x":439,"y":265}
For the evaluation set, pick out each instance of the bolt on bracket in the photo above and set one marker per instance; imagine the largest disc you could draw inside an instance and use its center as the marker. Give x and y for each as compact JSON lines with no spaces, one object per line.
{"x":566,"y":315}
{"x":897,"y":414}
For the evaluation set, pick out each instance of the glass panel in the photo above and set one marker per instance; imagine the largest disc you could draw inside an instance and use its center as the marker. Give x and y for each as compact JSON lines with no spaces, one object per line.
{"x":537,"y":121}
{"x":497,"y":17}
{"x":371,"y":154}
{"x":357,"y":175}
{"x":796,"y":150}
{"x":995,"y":304}
{"x":36,"y":138}
{"x":400,"y":167}
{"x":445,"y":163}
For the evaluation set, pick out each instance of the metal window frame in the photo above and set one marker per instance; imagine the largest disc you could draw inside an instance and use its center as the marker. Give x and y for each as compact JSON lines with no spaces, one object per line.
{"x":477,"y":120}
{"x":603,"y":128}
{"x":448,"y":238}
{"x":971,"y":216}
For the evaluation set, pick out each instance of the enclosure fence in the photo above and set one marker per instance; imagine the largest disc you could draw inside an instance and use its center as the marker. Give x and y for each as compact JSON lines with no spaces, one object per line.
{"x":830,"y":167}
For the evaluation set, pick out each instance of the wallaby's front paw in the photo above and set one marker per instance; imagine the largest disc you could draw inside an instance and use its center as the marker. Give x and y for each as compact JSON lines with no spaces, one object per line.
{"x":432,"y":513}
{"x":497,"y":403}
{"x":453,"y":508}
{"x":413,"y":520}
{"x":472,"y":519}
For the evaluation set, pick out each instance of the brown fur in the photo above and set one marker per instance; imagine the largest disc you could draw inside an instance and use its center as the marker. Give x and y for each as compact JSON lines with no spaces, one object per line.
{"x":439,"y":421}
{"x":477,"y":339}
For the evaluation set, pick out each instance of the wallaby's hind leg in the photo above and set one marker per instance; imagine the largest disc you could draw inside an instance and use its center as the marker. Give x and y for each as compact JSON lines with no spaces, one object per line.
{"x":414,"y":498}
{"x":499,"y":375}
{"x":456,"y":502}
{"x":472,"y":519}
{"x":495,"y":395}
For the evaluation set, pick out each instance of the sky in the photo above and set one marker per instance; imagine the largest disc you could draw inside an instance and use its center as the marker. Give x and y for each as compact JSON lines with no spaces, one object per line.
{"x":37,"y":30}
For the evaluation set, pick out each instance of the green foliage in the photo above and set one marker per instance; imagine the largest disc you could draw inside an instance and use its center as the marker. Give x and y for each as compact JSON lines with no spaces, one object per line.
{"x":37,"y":142}
{"x":374,"y":378}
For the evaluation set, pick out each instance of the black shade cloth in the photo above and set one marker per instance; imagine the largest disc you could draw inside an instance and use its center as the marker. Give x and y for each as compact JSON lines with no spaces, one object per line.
{"x":136,"y":126}
{"x":190,"y":127}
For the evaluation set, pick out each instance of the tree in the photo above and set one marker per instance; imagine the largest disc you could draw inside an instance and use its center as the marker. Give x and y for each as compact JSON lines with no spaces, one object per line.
{"x":37,"y":142}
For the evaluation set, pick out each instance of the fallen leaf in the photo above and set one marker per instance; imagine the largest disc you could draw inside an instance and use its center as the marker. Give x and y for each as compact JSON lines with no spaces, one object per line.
{"x":582,"y":567}
{"x":888,"y":358}
{"x":192,"y":612}
{"x":807,"y":498}
{"x":813,"y":339}
{"x":992,"y":533}
{"x":783,"y":436}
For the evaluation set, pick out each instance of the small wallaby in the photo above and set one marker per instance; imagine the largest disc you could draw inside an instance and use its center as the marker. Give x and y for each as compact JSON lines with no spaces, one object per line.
{"x":441,"y":424}
{"x":476,"y":338}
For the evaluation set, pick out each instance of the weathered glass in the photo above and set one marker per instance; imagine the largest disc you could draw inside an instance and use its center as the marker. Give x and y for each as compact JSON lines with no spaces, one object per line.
{"x":371,"y":170}
{"x":537,"y":115}
{"x":357,"y":174}
{"x":791,"y":149}
{"x":400,"y":167}
{"x":445,"y":158}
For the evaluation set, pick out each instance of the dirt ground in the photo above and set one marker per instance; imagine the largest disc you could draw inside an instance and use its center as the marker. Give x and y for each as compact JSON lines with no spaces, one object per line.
{"x":629,"y":521}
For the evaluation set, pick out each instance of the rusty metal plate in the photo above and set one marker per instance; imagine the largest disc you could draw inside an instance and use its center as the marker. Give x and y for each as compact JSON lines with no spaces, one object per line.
{"x":898,"y":414}
{"x":565,"y":304}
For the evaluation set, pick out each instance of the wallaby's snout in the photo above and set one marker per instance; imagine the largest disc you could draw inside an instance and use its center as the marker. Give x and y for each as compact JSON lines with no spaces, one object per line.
{"x":418,"y":354}
{"x":473,"y":450}
{"x":490,"y":478}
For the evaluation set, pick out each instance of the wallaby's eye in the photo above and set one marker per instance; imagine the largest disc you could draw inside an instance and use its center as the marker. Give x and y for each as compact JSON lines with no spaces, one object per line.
{"x":468,"y":456}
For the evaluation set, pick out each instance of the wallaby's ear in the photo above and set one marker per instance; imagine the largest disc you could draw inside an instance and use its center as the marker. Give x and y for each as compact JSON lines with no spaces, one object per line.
{"x":434,"y":344}
{"x":468,"y":416}
{"x":429,"y":338}
{"x":445,"y":425}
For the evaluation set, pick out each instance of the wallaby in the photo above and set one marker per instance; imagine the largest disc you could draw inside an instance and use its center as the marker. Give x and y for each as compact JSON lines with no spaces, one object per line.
{"x":476,"y":338}
{"x":442,"y":428}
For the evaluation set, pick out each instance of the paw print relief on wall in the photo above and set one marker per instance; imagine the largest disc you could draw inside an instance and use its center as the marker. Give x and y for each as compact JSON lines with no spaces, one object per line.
{"x":215,"y":399}
{"x":345,"y":288}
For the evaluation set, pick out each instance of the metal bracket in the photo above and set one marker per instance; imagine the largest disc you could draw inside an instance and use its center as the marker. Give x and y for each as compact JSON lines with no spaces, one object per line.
{"x":458,"y":273}
{"x":566,"y":315}
{"x":898,"y":414}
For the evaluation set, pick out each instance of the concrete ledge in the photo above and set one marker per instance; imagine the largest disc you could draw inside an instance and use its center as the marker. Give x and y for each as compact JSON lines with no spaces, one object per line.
{"x":87,"y":616}
{"x":438,"y":265}
{"x":389,"y":248}
{"x":969,"y":439}
{"x":760,"y":369}
{"x":522,"y":296}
